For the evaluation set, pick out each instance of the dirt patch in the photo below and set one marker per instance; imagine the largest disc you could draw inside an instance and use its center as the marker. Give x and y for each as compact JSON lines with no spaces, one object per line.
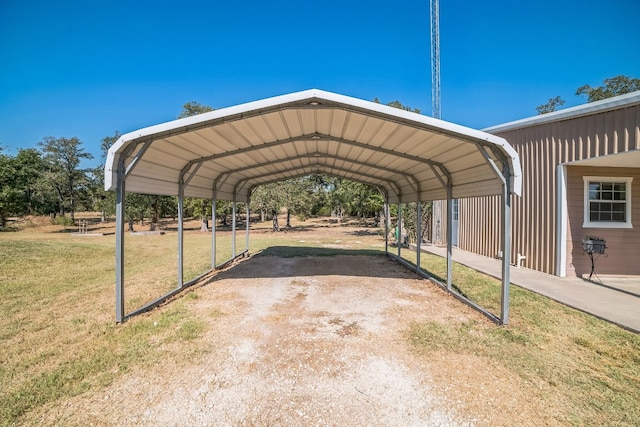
{"x":312,"y":341}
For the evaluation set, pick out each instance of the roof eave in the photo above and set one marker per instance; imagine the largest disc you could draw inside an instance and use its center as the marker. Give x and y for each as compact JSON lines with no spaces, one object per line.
{"x":595,"y":107}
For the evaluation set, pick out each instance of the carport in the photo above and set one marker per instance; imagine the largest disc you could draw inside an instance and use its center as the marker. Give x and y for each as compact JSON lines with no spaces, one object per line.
{"x":226,"y":153}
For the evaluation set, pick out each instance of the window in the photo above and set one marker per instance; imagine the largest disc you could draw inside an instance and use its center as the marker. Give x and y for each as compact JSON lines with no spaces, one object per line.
{"x":607,"y":202}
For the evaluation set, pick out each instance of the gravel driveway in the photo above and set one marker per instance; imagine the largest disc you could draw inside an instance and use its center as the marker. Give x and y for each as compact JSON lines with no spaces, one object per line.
{"x":309,"y":341}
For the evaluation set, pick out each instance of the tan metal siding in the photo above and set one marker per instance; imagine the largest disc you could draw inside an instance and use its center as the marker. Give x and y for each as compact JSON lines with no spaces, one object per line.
{"x":623,"y":245}
{"x":480,"y":211}
{"x":541,"y":148}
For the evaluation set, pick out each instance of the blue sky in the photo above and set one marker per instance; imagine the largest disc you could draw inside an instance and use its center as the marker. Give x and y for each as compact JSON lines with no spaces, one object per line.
{"x":89,"y":68}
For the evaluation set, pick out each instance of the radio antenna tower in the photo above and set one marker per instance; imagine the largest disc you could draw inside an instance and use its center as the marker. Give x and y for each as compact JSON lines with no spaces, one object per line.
{"x":436,"y":108}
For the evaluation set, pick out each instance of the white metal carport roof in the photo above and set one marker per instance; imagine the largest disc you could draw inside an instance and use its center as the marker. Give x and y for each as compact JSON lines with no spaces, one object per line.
{"x":224,"y":154}
{"x":231,"y":150}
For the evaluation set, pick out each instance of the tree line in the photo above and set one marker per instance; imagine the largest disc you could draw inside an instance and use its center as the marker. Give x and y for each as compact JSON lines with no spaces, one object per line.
{"x":46,"y":180}
{"x":49,"y":180}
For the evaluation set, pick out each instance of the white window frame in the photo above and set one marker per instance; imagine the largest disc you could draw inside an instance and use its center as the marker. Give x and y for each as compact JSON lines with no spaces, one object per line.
{"x":607,"y":224}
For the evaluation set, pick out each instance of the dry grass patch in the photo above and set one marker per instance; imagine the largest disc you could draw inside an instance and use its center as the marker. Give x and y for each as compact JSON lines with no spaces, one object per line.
{"x":57,"y":298}
{"x":587,"y":368}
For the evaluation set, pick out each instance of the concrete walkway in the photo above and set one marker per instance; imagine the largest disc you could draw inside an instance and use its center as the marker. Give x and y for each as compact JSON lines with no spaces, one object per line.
{"x":616,"y":300}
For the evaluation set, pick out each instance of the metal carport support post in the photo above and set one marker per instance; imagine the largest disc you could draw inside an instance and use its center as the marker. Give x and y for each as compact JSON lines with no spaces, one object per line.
{"x":233,"y":228}
{"x":120,"y":209}
{"x":213,"y":229}
{"x":386,"y":225}
{"x":506,"y":244}
{"x":445,"y":180}
{"x":505,"y":176}
{"x":449,"y":237}
{"x":121,"y":174}
{"x":418,"y":232}
{"x":246,"y":245}
{"x":180,"y":232}
{"x":399,"y":228}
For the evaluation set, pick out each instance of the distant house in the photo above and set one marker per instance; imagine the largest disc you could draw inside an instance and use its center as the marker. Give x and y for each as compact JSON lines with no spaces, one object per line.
{"x":581,"y":177}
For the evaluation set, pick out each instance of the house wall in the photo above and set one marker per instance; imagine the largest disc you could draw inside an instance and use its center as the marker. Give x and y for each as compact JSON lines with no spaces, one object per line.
{"x":623,"y":244}
{"x":541,"y":147}
{"x":484,"y":214}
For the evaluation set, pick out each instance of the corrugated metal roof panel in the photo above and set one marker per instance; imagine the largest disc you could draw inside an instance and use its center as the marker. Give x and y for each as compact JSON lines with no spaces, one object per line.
{"x":310,"y":132}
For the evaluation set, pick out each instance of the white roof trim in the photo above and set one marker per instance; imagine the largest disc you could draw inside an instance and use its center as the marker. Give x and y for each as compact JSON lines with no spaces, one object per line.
{"x":377,"y":139}
{"x":614,"y":103}
{"x":627,"y":159}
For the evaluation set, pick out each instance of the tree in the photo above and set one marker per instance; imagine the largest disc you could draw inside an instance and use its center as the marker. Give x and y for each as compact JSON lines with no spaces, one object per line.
{"x":550,"y":106}
{"x":346,"y":197}
{"x":63,"y":157}
{"x":357,"y":199}
{"x":398,"y":104}
{"x":295,"y":194}
{"x":9,"y":194}
{"x":30,"y":164}
{"x":268,"y":199}
{"x":137,"y":208}
{"x":23,"y":186}
{"x":297,"y":197}
{"x":107,"y":142}
{"x":224,"y":208}
{"x":410,"y":219}
{"x":336,"y":198}
{"x":24,"y":189}
{"x":614,"y":86}
{"x":193,"y":108}
{"x":199,"y":207}
{"x":319,"y":195}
